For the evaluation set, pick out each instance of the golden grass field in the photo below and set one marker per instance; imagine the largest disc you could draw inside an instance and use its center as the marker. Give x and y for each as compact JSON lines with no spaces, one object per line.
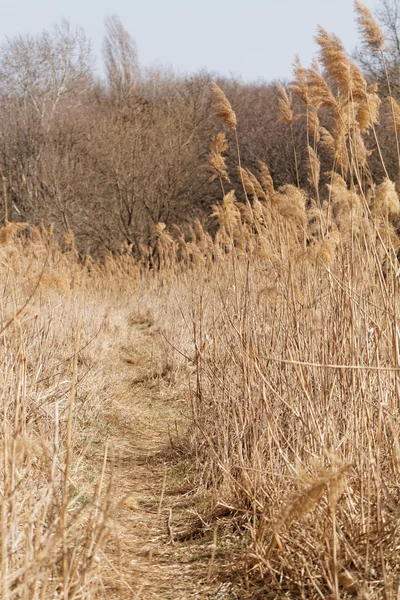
{"x":274,"y":353}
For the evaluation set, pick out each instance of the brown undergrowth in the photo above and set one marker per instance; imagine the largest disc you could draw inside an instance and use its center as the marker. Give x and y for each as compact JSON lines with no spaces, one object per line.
{"x":98,"y":491}
{"x":289,"y":317}
{"x":283,"y":327}
{"x":154,"y":549}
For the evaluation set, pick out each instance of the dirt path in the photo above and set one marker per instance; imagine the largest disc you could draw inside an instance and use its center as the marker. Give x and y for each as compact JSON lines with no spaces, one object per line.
{"x":144,"y":558}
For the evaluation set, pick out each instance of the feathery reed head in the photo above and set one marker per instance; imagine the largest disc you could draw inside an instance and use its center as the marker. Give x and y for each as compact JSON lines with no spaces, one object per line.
{"x":368,"y":108}
{"x":285,"y":106}
{"x":161,"y":234}
{"x":291,"y":204}
{"x":216,"y":162}
{"x":314,"y":124}
{"x":227,"y":213}
{"x":10,"y":230}
{"x":345,"y":202}
{"x":386,"y":200}
{"x":266,"y":179}
{"x":359,"y":149}
{"x":300,"y":84}
{"x":223,"y":108}
{"x":315,"y":168}
{"x":247,"y":182}
{"x":259,"y":192}
{"x":326,"y":253}
{"x":335,"y":144}
{"x":334,"y":59}
{"x":373,"y":37}
{"x":396,"y":114}
{"x":319,"y":91}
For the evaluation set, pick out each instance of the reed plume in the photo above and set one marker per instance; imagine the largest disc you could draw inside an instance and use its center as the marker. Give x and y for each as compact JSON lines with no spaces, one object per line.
{"x":285,"y":106}
{"x":359,"y":149}
{"x":313,"y":125}
{"x":328,"y":481}
{"x":326,"y":253}
{"x":315,"y":168}
{"x":216,"y":163}
{"x":227,"y":214}
{"x":367,"y":111}
{"x":346,"y":204}
{"x":247,"y":182}
{"x":335,"y":144}
{"x":300,"y":83}
{"x":396,"y":114}
{"x":386,"y":200}
{"x":266,"y":179}
{"x":334,"y":59}
{"x":291,"y":204}
{"x":223,"y":108}
{"x":373,"y":37}
{"x":259,"y":192}
{"x":287,"y":117}
{"x":10,"y":230}
{"x":320,"y":93}
{"x":201,"y":235}
{"x":358,"y":82}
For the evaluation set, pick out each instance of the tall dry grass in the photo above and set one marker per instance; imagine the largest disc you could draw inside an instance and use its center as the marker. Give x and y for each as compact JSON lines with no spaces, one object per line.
{"x":289,"y":318}
{"x":291,"y":330}
{"x":56,"y":496}
{"x":287,"y":321}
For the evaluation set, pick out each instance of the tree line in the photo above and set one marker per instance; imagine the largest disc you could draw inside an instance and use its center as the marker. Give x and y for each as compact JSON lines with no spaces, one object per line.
{"x":110,"y":157}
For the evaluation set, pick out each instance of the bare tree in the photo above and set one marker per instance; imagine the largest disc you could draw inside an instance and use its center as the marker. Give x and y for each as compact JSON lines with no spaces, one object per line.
{"x":121,"y":60}
{"x":40,"y":77}
{"x":44,"y":69}
{"x":110,"y":159}
{"x":144,"y":160}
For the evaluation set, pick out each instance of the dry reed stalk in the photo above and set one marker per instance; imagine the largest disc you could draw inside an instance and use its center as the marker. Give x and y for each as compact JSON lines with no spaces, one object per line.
{"x":289,"y":318}
{"x":315,"y":169}
{"x":50,"y":537}
{"x":291,"y":371}
{"x":287,"y":117}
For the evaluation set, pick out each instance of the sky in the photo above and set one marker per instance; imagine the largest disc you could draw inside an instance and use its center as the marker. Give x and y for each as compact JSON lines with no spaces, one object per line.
{"x":250,"y":39}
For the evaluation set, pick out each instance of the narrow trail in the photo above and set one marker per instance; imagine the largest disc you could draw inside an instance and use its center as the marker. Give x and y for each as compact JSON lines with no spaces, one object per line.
{"x":144,"y":558}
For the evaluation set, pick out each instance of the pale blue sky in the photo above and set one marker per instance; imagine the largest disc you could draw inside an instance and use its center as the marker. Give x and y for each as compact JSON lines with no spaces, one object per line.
{"x":253,"y":39}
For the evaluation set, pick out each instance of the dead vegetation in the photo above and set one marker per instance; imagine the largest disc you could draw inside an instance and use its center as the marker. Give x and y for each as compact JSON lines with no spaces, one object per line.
{"x":283,"y":326}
